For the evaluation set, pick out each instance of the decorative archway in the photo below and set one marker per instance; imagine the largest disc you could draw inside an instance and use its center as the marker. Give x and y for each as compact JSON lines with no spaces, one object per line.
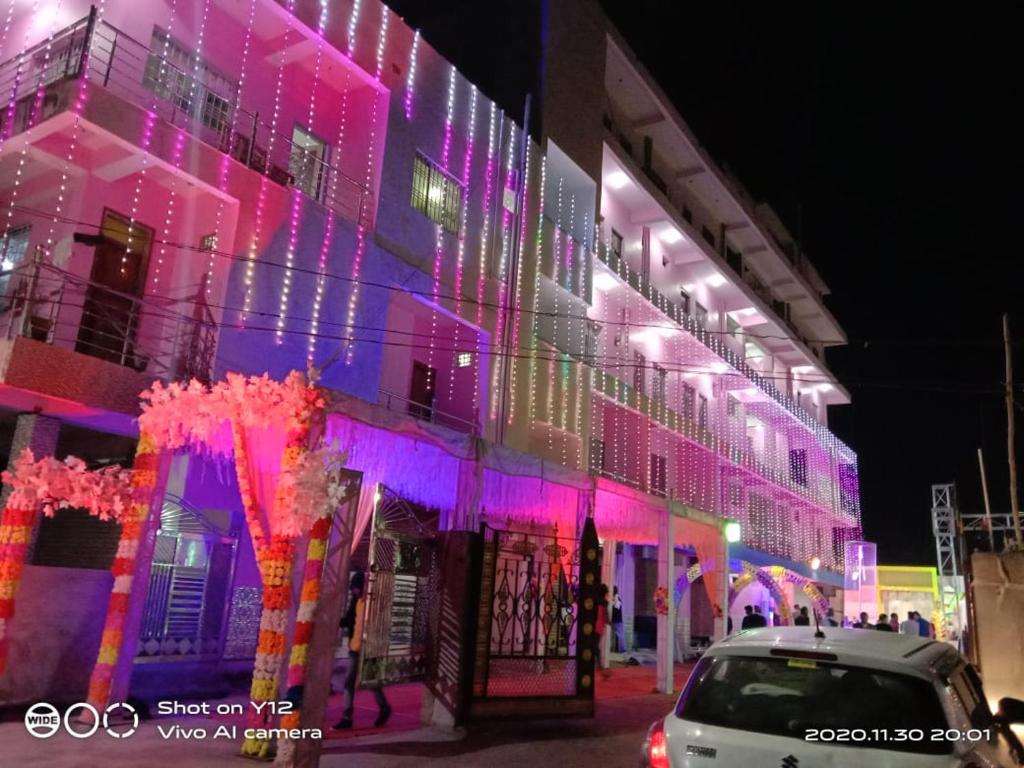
{"x":766,"y":578}
{"x":47,"y":485}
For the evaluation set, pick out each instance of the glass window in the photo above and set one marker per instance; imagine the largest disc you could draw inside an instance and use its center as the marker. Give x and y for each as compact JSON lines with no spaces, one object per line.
{"x":13,"y":250}
{"x":437,"y":195}
{"x":307,"y":162}
{"x":700,"y":314}
{"x":786,"y":697}
{"x":702,"y":413}
{"x":639,"y":362}
{"x":616,"y":243}
{"x":689,"y":400}
{"x":660,"y":382}
{"x":176,"y":75}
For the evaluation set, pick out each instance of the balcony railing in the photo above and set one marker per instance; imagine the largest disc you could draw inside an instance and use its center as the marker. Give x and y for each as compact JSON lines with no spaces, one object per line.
{"x":34,"y":82}
{"x":423,"y":412}
{"x":167,"y":338}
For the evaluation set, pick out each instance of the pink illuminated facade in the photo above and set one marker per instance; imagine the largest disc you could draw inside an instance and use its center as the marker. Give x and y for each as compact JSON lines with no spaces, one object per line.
{"x":522,"y":331}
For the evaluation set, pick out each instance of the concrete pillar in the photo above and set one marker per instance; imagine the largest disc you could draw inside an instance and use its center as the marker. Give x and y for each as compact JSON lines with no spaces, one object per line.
{"x":666,"y":622}
{"x":36,"y":432}
{"x":626,"y":579}
{"x":722,"y":621}
{"x":608,"y":578}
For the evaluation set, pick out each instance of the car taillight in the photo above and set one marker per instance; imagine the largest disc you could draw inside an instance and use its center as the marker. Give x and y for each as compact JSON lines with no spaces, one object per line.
{"x":657,"y":747}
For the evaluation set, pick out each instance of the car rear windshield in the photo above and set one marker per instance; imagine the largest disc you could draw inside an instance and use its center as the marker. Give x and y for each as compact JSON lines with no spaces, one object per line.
{"x":790,"y":696}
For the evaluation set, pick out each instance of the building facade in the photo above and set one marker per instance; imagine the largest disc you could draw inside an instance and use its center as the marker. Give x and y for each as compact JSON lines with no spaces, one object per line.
{"x":261,"y":186}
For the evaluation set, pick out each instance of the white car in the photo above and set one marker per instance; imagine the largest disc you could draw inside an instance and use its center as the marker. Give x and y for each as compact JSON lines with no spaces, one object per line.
{"x":785,"y":697}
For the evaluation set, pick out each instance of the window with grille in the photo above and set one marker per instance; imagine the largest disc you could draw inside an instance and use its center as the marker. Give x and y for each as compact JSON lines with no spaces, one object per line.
{"x":660,"y":383}
{"x":179,"y":77}
{"x":700,"y":314}
{"x":437,"y":195}
{"x":702,"y":413}
{"x":307,"y":162}
{"x":616,"y":243}
{"x":689,"y":399}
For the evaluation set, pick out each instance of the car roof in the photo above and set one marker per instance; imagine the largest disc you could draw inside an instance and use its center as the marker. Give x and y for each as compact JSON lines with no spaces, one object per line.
{"x":858,"y":647}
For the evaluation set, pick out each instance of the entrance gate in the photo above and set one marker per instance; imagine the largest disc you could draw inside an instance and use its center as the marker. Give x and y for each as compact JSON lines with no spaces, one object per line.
{"x":536,"y":635}
{"x":403,"y":573}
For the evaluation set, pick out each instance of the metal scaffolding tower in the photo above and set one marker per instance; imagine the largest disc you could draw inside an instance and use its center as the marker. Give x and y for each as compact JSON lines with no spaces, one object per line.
{"x":944,"y":526}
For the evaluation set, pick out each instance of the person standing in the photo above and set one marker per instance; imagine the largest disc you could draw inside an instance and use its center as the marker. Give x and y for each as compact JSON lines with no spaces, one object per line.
{"x":863,"y":623}
{"x":883,"y":623}
{"x":894,"y":622}
{"x":352,"y":622}
{"x":758,"y":619}
{"x":601,"y":625}
{"x":802,"y":619}
{"x":748,"y":617}
{"x":619,"y":631}
{"x":924,"y":624}
{"x":830,"y":618}
{"x":910,"y":626}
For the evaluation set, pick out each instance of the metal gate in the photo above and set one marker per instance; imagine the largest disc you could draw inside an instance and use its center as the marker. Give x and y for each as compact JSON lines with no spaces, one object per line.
{"x":403,"y":574}
{"x":191,"y":573}
{"x":536,"y":628}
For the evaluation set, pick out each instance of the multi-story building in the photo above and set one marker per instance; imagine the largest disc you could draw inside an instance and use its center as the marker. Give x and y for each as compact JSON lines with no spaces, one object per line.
{"x":260,"y":186}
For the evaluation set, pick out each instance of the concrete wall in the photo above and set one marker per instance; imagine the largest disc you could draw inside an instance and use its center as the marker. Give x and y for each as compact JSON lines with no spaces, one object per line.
{"x":999,"y":613}
{"x":55,"y":635}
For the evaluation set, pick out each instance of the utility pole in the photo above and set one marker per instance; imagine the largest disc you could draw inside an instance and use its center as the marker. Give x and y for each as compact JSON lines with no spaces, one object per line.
{"x":988,"y":506}
{"x":1014,"y":501}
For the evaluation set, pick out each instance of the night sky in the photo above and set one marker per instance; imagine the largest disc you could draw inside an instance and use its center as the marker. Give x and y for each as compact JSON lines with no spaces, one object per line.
{"x":890,"y":138}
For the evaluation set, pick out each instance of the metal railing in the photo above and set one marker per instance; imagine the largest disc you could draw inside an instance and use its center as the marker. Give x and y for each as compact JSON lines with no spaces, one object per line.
{"x":423,"y":412}
{"x":33,"y":81}
{"x":172,"y":339}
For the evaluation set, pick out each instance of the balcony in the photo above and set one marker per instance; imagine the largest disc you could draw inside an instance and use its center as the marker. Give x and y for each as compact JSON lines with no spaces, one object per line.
{"x":42,"y":82}
{"x":69,"y":317}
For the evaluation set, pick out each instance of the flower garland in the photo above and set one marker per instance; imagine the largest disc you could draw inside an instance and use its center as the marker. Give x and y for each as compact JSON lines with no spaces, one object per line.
{"x":143,"y":486}
{"x":49,"y":484}
{"x":274,"y":559}
{"x":15,"y":532}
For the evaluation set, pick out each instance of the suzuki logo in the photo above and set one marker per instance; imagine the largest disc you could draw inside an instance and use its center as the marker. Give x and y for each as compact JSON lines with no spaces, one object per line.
{"x":789,"y":762}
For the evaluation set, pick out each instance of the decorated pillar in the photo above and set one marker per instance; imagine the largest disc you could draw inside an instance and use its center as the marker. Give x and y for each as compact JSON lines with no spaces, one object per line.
{"x":625,"y":577}
{"x":664,"y":605}
{"x":112,"y":674}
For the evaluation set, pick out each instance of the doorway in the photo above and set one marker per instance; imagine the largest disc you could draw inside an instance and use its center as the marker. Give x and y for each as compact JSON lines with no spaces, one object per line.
{"x":421,"y":391}
{"x":110,"y":313}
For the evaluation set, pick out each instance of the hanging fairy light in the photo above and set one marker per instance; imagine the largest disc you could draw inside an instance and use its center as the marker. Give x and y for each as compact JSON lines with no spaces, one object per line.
{"x":506,"y":223}
{"x":517,"y":306}
{"x":439,"y":228}
{"x":253,"y":255}
{"x":410,"y":80}
{"x":467,"y":167}
{"x":297,"y":196}
{"x":225,"y":161}
{"x":357,"y":261}
{"x":484,"y":245}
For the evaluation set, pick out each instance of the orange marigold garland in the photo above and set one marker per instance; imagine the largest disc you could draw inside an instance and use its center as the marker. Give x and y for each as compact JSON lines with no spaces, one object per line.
{"x":144,"y":477}
{"x":15,"y":532}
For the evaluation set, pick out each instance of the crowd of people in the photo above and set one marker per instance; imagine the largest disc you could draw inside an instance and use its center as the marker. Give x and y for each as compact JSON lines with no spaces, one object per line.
{"x":915,"y":624}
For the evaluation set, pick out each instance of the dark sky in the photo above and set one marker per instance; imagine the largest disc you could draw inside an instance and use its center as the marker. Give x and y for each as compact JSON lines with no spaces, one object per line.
{"x":895,"y":132}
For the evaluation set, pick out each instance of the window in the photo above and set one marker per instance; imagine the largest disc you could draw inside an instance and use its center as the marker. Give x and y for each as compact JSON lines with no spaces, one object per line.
{"x":734,"y":259}
{"x":660,"y":382}
{"x":176,"y":75}
{"x":702,"y":412}
{"x":798,"y":466}
{"x":785,"y":697}
{"x":13,"y":250}
{"x":708,"y":235}
{"x":307,"y":162}
{"x":616,"y":244}
{"x":732,"y":406}
{"x":684,"y":300}
{"x":733,"y":328}
{"x":465,"y":359}
{"x":659,"y":475}
{"x":208,"y":242}
{"x":687,"y":215}
{"x":437,"y":195}
{"x":689,"y":398}
{"x":700,"y":314}
{"x":639,"y":362}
